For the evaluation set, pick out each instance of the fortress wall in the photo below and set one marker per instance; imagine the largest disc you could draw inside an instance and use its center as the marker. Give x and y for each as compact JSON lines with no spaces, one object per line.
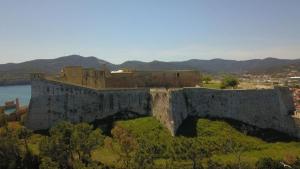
{"x":269,"y":108}
{"x":97,"y":79}
{"x":54,"y":101}
{"x":72,"y":74}
{"x":286,"y":97}
{"x":170,"y":78}
{"x":119,"y":80}
{"x":153,"y":79}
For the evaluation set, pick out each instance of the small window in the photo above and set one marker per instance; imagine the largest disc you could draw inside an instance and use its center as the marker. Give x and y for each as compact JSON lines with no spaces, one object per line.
{"x":177,"y":74}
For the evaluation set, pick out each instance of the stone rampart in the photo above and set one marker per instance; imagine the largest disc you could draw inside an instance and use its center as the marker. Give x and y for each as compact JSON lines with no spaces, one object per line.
{"x":266,"y":108}
{"x":53,"y":101}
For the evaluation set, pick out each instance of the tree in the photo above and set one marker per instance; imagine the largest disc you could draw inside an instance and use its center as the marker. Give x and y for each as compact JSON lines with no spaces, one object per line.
{"x":3,"y":120}
{"x":47,"y":163}
{"x":190,"y":149}
{"x":229,"y":81}
{"x":127,"y":142}
{"x":29,"y":159}
{"x":23,"y":133}
{"x":144,"y":156}
{"x":10,"y":152}
{"x":206,"y":78}
{"x":84,"y":140}
{"x":69,"y":143}
{"x":58,"y":146}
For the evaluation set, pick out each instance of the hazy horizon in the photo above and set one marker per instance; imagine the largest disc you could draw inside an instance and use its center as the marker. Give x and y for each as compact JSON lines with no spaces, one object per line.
{"x":118,"y":31}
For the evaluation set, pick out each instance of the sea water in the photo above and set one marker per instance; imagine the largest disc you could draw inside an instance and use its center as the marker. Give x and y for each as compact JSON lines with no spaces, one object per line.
{"x":9,"y":93}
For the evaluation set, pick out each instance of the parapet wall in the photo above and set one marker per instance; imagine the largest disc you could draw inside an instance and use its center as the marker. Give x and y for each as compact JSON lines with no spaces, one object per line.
{"x":53,"y":101}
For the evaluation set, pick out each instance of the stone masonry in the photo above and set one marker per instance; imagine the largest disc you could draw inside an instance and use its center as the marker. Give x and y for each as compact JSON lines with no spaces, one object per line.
{"x":52,"y":101}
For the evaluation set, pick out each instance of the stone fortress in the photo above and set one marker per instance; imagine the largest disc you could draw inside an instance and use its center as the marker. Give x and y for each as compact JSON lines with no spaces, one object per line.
{"x":125,"y":78}
{"x":86,"y":95}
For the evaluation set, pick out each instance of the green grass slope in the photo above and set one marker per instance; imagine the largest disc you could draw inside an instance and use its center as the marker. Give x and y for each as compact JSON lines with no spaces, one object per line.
{"x":218,"y":137}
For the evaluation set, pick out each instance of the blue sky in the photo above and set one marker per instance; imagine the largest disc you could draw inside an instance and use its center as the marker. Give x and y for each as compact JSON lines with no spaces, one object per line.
{"x":167,"y":30}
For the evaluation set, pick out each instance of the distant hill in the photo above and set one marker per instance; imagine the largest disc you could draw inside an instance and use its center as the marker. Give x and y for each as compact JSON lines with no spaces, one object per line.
{"x":217,"y":65}
{"x":12,"y":73}
{"x":18,"y":73}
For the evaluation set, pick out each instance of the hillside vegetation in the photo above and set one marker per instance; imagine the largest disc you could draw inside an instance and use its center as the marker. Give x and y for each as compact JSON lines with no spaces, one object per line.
{"x":143,"y":143}
{"x":220,"y":142}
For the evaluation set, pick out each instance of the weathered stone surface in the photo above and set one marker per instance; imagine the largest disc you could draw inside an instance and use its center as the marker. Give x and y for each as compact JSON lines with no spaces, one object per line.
{"x":54,"y":101}
{"x":160,"y":106}
{"x":266,"y":108}
{"x":269,"y":108}
{"x":100,"y":79}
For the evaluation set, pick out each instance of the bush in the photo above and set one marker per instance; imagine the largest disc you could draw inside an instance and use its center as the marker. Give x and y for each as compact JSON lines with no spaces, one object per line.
{"x":289,"y":159}
{"x":3,"y":119}
{"x":296,"y":164}
{"x":268,"y":163}
{"x":229,"y":81}
{"x":69,"y":143}
{"x":206,"y":79}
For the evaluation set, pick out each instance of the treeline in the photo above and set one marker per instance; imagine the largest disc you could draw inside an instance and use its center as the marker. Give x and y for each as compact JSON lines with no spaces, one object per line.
{"x":69,"y":146}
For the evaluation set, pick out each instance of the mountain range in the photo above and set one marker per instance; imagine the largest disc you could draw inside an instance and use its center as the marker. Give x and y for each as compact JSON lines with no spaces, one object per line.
{"x":18,"y":73}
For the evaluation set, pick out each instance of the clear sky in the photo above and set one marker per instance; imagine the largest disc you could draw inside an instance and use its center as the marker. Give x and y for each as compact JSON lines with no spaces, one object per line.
{"x":167,"y":30}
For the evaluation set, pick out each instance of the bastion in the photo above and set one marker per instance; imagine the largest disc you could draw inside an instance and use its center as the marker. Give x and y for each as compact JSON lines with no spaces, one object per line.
{"x":54,"y":99}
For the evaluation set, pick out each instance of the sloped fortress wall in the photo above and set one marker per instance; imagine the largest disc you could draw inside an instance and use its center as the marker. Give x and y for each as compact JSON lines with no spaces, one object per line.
{"x":54,"y":101}
{"x":268,"y":108}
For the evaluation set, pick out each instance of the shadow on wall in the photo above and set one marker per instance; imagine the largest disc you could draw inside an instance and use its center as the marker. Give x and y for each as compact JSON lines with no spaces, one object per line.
{"x":106,"y":124}
{"x":188,"y":128}
{"x":268,"y":135}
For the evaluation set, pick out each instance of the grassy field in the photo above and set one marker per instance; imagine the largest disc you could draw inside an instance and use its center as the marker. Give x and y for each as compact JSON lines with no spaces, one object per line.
{"x":212,"y":85}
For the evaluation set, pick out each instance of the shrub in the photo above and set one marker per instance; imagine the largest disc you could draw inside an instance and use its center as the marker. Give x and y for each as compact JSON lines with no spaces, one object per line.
{"x":229,"y":81}
{"x":268,"y":163}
